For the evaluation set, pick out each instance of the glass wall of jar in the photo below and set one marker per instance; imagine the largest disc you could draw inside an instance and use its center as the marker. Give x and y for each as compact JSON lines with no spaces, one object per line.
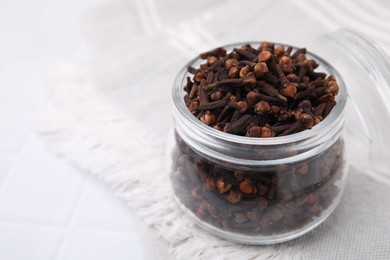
{"x":257,"y":190}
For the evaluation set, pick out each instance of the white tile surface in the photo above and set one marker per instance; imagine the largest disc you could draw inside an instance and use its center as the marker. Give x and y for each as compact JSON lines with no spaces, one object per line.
{"x":48,"y":209}
{"x":99,"y":211}
{"x":25,"y":243}
{"x":14,"y":127}
{"x":35,"y":149}
{"x":102,"y":246}
{"x":42,"y":192}
{"x":5,"y":164}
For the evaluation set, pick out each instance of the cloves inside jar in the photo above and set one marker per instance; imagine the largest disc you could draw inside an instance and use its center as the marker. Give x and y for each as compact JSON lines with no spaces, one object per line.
{"x":259,"y":155}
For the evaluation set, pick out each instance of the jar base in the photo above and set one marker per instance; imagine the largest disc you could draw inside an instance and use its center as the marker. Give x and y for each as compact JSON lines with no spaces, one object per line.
{"x":258,"y":239}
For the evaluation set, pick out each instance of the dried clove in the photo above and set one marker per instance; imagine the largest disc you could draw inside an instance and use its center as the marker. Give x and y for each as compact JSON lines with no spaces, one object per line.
{"x":270,"y":74}
{"x":262,"y":92}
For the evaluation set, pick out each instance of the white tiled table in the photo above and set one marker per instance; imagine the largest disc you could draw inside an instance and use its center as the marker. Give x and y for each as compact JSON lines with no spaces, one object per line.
{"x":48,"y":209}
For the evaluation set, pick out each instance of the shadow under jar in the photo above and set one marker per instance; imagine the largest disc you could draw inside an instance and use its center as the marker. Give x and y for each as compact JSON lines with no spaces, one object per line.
{"x":257,"y":190}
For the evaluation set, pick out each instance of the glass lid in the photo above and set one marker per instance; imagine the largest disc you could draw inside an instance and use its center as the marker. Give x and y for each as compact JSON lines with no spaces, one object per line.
{"x":365,"y":69}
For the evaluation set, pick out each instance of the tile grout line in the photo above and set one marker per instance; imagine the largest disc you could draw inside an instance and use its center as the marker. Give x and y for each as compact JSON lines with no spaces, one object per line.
{"x":14,"y":161}
{"x":70,"y":227}
{"x":60,"y":228}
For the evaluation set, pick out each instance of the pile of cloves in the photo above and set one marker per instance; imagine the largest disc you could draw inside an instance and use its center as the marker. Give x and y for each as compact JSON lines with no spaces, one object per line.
{"x":268,"y":91}
{"x":259,"y":92}
{"x":263,"y":202}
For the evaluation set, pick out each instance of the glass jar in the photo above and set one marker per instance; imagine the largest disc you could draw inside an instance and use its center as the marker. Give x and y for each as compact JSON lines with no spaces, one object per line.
{"x":258,"y":190}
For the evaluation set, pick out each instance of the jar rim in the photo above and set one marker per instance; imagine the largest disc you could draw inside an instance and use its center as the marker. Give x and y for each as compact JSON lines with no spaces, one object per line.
{"x":178,"y":100}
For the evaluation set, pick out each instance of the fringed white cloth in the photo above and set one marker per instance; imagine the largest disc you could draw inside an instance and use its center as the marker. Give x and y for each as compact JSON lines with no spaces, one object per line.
{"x":112,"y":118}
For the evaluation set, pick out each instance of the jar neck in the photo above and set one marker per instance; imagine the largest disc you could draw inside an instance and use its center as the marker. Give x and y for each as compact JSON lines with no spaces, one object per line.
{"x":218,"y":149}
{"x":219,"y":146}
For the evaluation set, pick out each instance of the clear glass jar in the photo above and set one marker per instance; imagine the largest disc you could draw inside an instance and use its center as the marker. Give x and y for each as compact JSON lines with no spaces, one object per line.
{"x":292,"y":183}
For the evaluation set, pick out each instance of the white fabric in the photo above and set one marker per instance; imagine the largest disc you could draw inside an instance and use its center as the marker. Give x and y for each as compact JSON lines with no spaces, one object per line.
{"x":111,"y":117}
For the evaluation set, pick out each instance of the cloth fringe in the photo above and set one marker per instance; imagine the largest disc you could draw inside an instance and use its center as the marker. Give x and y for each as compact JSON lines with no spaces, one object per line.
{"x":129,"y":153}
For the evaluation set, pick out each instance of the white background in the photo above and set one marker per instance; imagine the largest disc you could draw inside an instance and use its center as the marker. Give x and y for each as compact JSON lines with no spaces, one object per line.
{"x":48,"y":209}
